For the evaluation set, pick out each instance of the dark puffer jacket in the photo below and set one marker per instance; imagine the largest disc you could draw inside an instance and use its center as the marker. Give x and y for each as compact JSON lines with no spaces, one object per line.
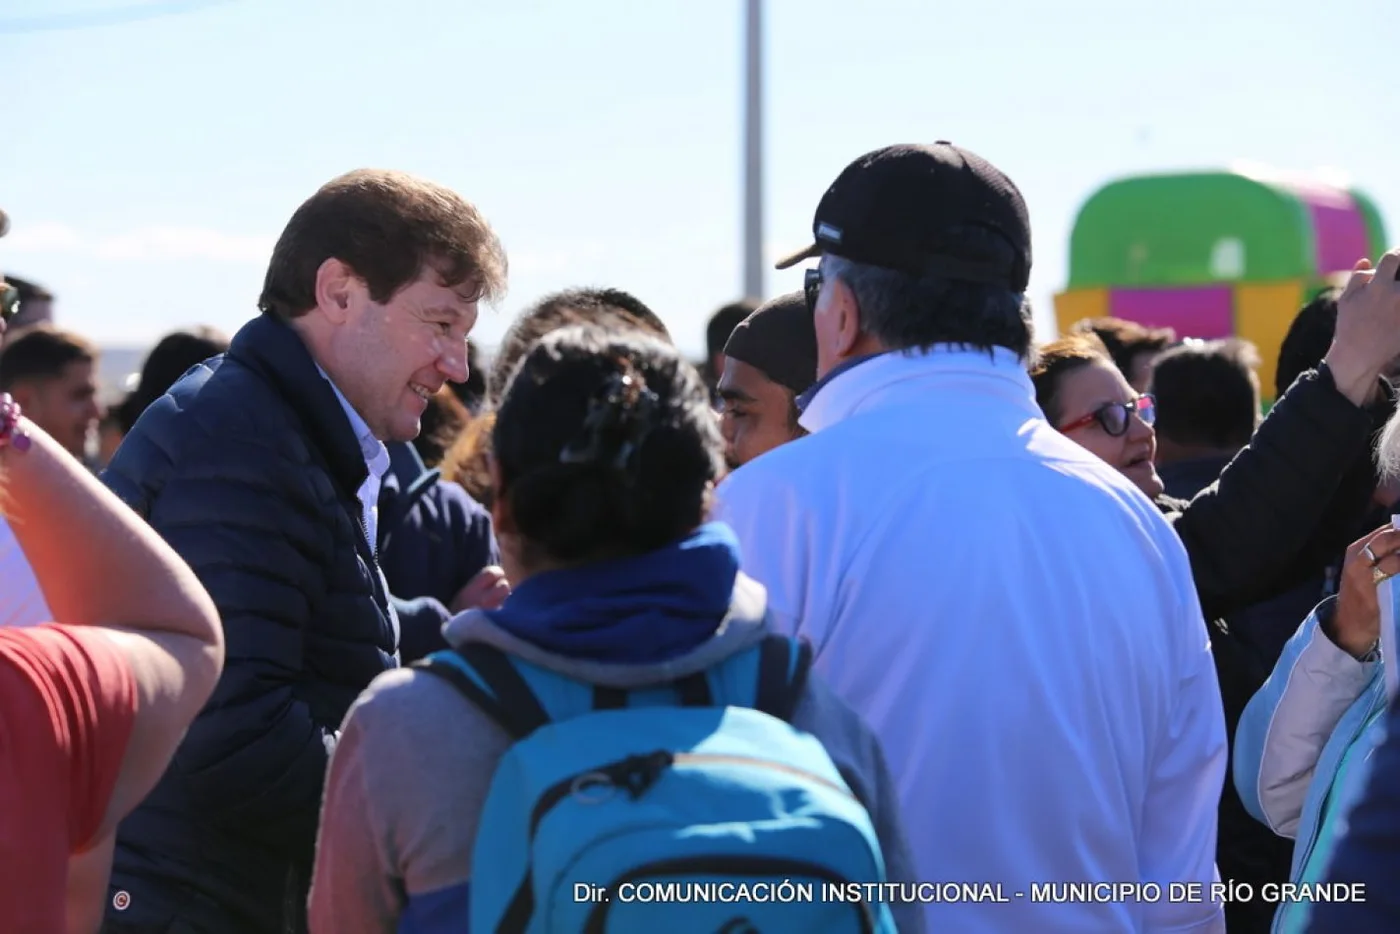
{"x":249,"y":469}
{"x":433,"y":539}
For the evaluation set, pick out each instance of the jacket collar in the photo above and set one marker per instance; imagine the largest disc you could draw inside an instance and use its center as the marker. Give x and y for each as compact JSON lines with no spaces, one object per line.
{"x":373,"y":450}
{"x":807,"y":395}
{"x":868,"y":380}
{"x":276,"y":352}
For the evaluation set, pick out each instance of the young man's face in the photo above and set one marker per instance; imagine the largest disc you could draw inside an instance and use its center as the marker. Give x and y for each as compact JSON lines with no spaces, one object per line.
{"x":757,"y":414}
{"x":64,"y":406}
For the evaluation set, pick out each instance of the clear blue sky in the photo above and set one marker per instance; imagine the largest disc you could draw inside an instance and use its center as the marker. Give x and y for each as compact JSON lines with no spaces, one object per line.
{"x":149,"y":163}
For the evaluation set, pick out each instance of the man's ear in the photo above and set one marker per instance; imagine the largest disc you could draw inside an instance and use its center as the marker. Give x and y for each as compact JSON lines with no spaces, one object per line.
{"x":847,"y":310}
{"x":336,"y":290}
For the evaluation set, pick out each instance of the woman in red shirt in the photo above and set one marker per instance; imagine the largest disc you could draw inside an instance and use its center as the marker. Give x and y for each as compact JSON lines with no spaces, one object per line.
{"x":93,"y":705}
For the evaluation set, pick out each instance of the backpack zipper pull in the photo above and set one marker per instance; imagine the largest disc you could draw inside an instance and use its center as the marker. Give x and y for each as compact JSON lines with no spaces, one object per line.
{"x":638,"y":773}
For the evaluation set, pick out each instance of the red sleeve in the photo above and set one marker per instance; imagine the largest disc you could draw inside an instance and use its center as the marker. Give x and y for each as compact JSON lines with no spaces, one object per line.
{"x":68,"y":704}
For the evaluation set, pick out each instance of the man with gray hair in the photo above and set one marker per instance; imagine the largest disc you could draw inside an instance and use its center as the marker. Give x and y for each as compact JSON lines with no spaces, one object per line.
{"x":1015,"y":619}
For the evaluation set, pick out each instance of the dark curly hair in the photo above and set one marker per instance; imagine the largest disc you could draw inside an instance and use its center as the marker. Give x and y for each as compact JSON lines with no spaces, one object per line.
{"x":605,"y":444}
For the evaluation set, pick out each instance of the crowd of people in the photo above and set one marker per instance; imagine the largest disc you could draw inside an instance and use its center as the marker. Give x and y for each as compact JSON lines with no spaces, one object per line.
{"x":884,"y":616}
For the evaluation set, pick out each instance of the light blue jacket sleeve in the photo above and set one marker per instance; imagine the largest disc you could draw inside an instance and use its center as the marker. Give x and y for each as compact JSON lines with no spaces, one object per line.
{"x":1286,"y":725}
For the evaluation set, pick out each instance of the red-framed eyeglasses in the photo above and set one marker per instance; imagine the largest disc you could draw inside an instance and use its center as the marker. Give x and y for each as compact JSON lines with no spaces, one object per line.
{"x":1115,"y":417}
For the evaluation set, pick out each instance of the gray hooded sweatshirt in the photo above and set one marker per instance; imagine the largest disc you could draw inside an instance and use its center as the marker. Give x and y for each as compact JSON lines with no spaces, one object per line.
{"x":415,"y":759}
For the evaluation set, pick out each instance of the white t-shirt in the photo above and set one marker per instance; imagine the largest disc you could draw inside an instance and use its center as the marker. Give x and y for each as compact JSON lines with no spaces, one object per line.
{"x":21,"y":601}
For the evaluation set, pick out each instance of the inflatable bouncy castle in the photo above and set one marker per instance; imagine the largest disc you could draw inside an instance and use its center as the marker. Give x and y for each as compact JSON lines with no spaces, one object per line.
{"x":1216,"y":254}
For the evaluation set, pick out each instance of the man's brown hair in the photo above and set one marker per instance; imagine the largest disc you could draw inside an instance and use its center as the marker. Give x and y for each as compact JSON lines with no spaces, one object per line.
{"x":1208,"y":393}
{"x":388,"y":227}
{"x":1056,"y":360}
{"x":1124,"y":340}
{"x":41,"y":351}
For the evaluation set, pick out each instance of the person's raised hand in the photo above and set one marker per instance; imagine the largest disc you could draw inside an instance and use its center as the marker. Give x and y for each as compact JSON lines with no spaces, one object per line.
{"x":1356,"y":625}
{"x":1367,"y":337}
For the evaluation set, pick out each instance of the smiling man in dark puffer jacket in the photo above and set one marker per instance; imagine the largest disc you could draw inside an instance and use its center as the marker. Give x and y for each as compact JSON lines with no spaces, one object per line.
{"x":262,"y":468}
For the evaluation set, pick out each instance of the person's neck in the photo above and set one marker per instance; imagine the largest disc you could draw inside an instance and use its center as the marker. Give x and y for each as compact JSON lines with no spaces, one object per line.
{"x":532,"y":562}
{"x":317,"y":343}
{"x":865,"y":346}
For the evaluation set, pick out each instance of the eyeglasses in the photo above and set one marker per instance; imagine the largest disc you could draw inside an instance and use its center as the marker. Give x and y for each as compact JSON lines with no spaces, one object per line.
{"x":1115,"y":417}
{"x":9,"y":301}
{"x":812,"y":288}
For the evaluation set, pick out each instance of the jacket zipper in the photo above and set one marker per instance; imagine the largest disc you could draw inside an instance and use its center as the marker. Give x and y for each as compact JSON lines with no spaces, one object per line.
{"x":376,"y":576}
{"x":364,"y":528}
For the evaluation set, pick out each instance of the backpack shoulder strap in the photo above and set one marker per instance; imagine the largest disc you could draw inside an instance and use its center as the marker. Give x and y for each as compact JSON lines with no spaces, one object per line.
{"x":485,"y":676}
{"x":783,"y":665}
{"x":488,"y":678}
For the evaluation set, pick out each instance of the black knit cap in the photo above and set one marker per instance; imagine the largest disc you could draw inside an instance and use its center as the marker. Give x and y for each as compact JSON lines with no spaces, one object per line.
{"x":899,"y":208}
{"x":779,"y":341}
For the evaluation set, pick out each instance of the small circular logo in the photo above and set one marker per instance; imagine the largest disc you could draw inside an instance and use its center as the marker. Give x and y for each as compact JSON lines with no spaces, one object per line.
{"x":121,"y":901}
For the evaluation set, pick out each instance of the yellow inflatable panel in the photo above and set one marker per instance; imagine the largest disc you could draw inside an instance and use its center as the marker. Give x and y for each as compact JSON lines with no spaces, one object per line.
{"x":1077,"y":304}
{"x":1263,"y":313}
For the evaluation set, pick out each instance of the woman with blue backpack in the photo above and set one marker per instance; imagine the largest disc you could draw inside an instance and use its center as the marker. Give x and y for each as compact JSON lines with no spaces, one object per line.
{"x":623,"y":745}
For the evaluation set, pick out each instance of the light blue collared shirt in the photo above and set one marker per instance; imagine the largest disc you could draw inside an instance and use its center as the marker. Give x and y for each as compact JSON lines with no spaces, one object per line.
{"x":376,"y":457}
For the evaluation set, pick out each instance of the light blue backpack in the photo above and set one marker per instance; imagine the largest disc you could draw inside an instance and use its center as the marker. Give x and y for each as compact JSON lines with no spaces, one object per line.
{"x":686,"y":807}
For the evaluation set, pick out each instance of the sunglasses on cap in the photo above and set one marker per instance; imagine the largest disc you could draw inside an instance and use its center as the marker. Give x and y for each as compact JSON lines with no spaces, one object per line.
{"x":9,"y":301}
{"x":1115,"y":417}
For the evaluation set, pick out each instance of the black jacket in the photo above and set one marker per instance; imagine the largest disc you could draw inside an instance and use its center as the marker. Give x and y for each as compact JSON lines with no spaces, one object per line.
{"x":249,"y":469}
{"x":1283,"y":508}
{"x":1287,"y":503}
{"x":433,"y":538}
{"x":1184,"y":479}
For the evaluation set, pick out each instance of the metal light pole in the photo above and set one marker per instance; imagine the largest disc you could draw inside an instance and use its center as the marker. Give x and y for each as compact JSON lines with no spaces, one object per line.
{"x":753,"y":152}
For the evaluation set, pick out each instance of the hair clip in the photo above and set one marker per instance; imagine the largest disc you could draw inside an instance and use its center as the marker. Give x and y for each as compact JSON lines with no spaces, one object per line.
{"x":624,"y":413}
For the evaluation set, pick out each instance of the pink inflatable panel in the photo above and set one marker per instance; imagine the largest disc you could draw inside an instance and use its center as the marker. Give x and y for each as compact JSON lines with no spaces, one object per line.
{"x":1339,"y":232}
{"x":1206,"y":311}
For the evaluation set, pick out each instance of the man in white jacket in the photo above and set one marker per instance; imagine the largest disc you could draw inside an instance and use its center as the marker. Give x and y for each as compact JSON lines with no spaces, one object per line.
{"x":1014,"y":618}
